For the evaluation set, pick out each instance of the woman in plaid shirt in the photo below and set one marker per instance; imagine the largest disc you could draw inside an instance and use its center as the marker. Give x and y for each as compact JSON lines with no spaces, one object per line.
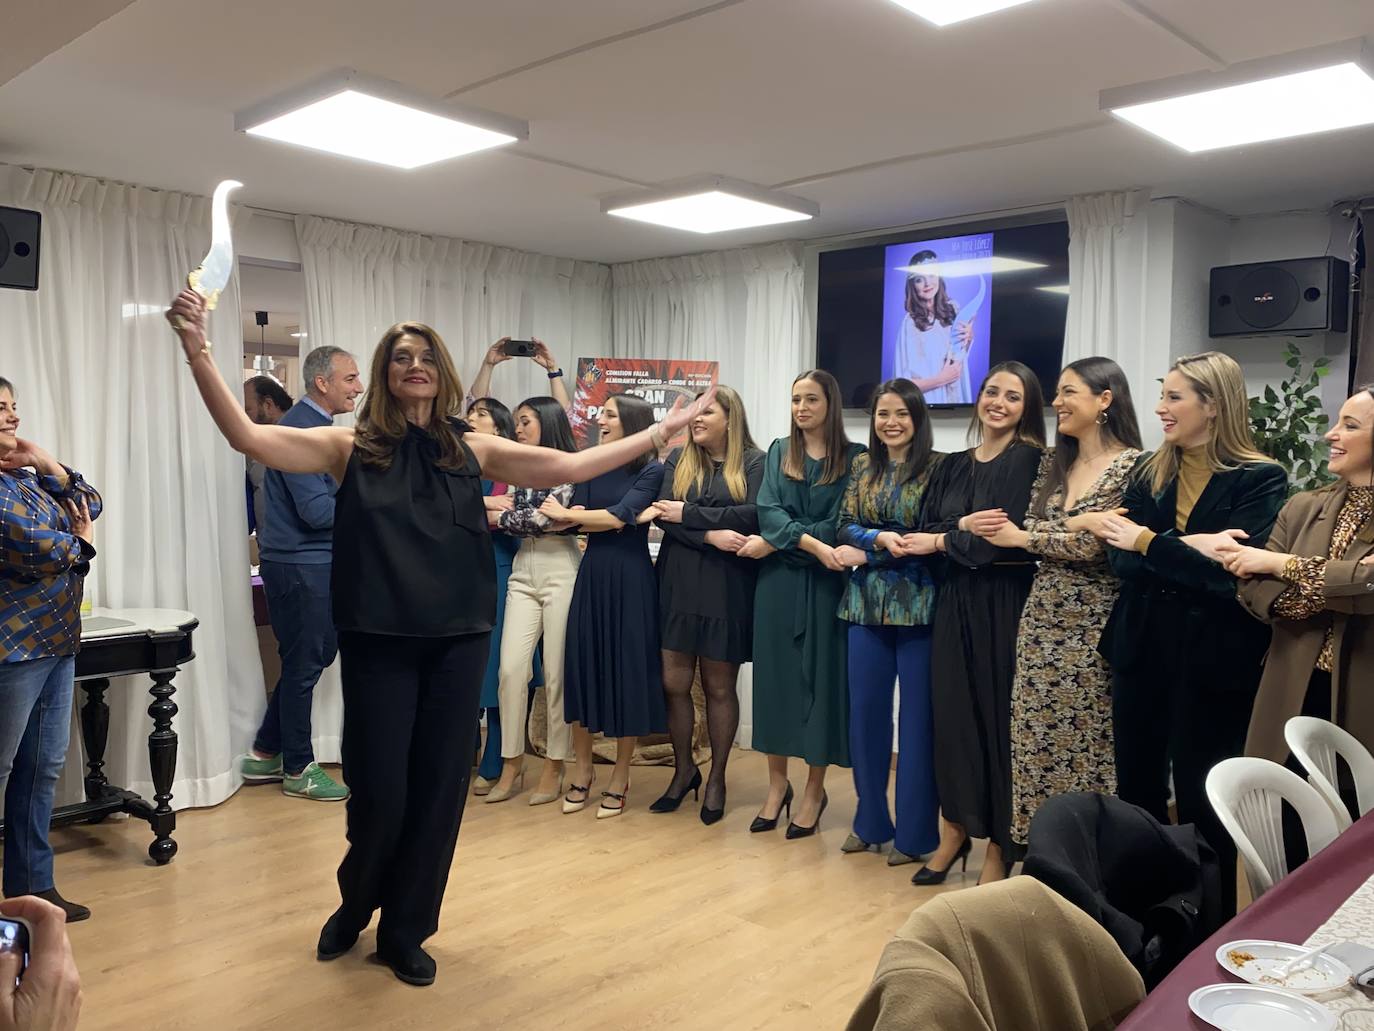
{"x":46,"y":511}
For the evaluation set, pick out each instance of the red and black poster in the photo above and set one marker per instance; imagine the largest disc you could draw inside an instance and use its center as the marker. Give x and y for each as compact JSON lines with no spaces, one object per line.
{"x":660,"y":381}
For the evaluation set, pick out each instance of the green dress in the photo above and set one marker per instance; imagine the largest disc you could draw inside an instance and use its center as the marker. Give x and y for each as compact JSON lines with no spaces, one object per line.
{"x":801,"y":688}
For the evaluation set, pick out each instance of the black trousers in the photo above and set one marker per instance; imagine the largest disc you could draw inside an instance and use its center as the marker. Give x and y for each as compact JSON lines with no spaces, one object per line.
{"x":410,"y":718}
{"x":1170,"y":715}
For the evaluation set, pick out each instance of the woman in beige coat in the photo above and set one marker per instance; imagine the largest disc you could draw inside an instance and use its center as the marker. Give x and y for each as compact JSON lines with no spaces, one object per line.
{"x":1314,"y":582}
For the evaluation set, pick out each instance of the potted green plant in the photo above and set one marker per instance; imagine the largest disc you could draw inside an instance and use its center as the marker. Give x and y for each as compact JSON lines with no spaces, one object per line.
{"x":1289,"y":422}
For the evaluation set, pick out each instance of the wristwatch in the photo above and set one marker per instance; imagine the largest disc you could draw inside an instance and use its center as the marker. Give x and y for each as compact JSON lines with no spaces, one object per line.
{"x":556,"y":374}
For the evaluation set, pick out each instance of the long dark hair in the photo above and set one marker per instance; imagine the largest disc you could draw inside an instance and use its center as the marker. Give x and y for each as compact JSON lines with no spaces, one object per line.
{"x":1121,"y":426}
{"x":500,"y":415}
{"x":1031,"y":429}
{"x":836,"y":442}
{"x":554,"y":429}
{"x":636,"y":415}
{"x":922,"y":440}
{"x":381,"y":424}
{"x":941,"y":308}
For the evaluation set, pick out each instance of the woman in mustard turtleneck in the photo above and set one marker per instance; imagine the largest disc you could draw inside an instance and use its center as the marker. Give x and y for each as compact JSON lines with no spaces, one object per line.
{"x":1185,"y":656}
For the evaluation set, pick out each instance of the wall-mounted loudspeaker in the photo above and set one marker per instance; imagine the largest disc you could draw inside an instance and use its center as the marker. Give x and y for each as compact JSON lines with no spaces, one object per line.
{"x":19,"y":248}
{"x":1299,"y":295}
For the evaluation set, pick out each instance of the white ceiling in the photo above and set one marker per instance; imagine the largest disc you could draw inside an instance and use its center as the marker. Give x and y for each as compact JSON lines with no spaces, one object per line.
{"x":994,"y":113}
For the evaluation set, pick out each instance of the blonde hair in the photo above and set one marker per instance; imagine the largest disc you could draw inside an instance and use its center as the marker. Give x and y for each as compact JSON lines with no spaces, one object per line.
{"x":1218,"y":381}
{"x":381,"y":424}
{"x":693,"y":462}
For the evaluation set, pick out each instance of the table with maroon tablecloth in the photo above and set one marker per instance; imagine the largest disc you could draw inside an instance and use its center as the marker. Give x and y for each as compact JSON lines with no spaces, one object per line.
{"x":1290,"y":911}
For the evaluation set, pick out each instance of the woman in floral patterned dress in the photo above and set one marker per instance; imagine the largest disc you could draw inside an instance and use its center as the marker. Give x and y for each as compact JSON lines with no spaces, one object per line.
{"x":1061,"y":702}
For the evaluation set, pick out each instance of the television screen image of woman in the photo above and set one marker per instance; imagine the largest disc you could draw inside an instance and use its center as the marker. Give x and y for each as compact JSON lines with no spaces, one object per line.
{"x":936,"y":315}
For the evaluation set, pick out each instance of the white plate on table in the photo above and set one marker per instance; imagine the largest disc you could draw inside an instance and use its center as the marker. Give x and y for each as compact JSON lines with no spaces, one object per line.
{"x":1251,"y":1007}
{"x":1324,"y":974}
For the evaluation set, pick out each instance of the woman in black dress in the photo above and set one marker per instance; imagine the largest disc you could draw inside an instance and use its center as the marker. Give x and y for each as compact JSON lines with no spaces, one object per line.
{"x":613,"y":681}
{"x":414,"y":602}
{"x":705,"y":592}
{"x":982,"y":591}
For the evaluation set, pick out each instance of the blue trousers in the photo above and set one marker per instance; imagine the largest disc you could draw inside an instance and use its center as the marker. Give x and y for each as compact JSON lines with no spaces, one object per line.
{"x":298,"y":605}
{"x":878,"y":656}
{"x":35,"y":726}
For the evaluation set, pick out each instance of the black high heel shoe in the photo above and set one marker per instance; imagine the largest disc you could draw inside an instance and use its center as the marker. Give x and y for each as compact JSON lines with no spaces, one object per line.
{"x":796,"y":830}
{"x":760,"y":824}
{"x":667,"y":803}
{"x":925,"y":875}
{"x":709,"y":815}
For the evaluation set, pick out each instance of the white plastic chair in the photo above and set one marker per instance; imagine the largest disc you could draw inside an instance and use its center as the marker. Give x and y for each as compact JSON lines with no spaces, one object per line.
{"x":1316,"y":744}
{"x":1246,"y":794}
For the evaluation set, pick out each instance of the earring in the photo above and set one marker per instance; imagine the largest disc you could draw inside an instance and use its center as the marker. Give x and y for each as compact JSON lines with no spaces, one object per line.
{"x":1102,"y":417}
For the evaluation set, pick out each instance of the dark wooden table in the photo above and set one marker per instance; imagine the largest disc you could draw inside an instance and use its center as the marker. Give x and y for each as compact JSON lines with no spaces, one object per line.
{"x":1290,"y":911}
{"x":120,"y":643}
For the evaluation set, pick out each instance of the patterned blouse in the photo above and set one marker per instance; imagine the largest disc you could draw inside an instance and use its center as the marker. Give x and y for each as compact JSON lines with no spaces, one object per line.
{"x":43,"y":565}
{"x":887,"y":591}
{"x":525,"y":519}
{"x":1305,"y":596}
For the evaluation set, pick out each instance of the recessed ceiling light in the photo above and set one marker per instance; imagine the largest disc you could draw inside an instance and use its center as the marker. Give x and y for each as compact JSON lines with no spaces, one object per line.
{"x":1060,"y":288}
{"x":711,"y":204}
{"x":1297,"y":94}
{"x":357,"y":116}
{"x":300,"y":336}
{"x":971,"y":266}
{"x":947,"y":12}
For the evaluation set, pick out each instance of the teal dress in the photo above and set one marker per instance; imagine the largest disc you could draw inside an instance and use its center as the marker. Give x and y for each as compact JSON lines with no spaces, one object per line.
{"x":801,"y":696}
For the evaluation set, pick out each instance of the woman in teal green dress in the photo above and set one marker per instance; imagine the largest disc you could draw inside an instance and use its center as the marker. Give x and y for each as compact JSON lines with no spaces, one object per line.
{"x":801,"y":697}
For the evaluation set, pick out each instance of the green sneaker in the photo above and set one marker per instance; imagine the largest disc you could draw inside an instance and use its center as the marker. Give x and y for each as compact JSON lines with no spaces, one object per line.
{"x":314,"y":783}
{"x":257,"y":769}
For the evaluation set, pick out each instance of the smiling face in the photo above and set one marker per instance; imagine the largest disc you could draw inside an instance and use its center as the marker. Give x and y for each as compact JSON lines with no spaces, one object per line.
{"x":609,"y":422}
{"x":809,"y":407}
{"x":413,"y":373}
{"x":527,"y":426}
{"x":339,"y":391}
{"x":9,"y":422}
{"x":1351,"y":440}
{"x":708,"y":428}
{"x":1001,"y":404}
{"x":927,"y":286}
{"x":1077,"y":407}
{"x":1187,"y":419}
{"x":893,"y":425}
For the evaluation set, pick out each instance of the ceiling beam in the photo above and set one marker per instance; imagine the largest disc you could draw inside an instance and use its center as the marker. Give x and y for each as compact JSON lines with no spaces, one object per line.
{"x":1137,"y":10}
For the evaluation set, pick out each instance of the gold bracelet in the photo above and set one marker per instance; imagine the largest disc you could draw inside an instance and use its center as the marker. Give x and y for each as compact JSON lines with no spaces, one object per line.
{"x":203,"y":351}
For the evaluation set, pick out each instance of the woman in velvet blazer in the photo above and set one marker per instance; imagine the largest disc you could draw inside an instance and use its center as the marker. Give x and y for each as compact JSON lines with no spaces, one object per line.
{"x":1185,"y":656}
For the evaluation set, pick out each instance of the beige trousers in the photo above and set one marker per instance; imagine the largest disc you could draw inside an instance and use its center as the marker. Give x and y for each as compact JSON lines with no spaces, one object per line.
{"x":538,"y":596}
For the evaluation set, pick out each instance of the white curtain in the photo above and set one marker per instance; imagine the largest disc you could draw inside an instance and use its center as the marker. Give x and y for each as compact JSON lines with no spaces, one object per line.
{"x":360,"y":280}
{"x":745,"y":309}
{"x":102,"y":385}
{"x":1108,"y":247}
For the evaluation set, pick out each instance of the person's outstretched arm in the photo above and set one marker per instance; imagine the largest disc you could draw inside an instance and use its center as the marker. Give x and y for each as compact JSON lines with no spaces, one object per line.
{"x":286,"y":448}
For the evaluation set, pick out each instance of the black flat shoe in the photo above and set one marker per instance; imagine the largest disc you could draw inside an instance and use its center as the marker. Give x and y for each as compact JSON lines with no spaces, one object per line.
{"x":796,"y":830}
{"x":925,"y":875}
{"x":335,"y":938}
{"x":760,"y":824}
{"x":411,"y":964}
{"x":75,"y":911}
{"x":667,"y":803}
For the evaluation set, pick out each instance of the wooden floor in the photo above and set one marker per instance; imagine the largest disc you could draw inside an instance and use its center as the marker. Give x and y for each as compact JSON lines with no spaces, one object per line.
{"x":550,"y":921}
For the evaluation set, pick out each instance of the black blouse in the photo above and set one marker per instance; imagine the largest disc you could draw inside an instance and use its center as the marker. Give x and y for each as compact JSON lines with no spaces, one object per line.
{"x":963,"y":485}
{"x":412,"y":553}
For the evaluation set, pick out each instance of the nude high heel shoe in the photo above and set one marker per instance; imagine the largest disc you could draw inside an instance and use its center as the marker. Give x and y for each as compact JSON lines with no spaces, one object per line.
{"x":497,"y":794}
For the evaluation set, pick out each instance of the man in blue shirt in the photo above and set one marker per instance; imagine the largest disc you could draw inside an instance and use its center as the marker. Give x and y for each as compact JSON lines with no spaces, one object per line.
{"x":295,"y":544}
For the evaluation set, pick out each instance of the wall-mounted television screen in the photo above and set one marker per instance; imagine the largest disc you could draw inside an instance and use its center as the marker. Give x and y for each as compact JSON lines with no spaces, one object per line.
{"x":943,"y":307}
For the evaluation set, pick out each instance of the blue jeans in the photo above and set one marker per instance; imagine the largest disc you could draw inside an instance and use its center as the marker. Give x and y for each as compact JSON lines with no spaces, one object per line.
{"x":878,"y":655}
{"x":298,"y":605}
{"x":35,"y":726}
